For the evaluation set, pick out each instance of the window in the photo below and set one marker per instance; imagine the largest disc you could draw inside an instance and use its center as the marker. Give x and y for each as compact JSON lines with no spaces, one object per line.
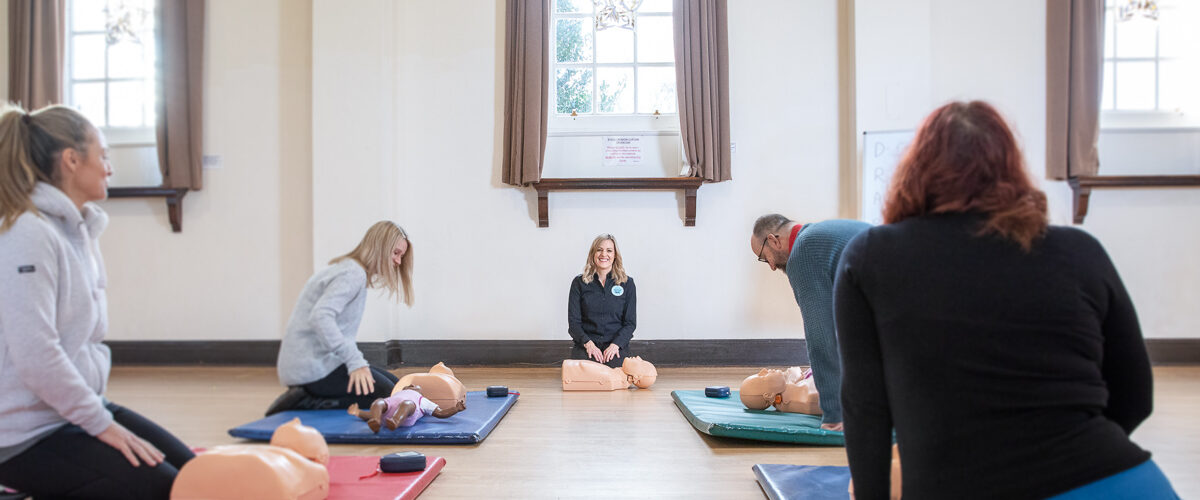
{"x":615,"y":71}
{"x":1152,"y":67}
{"x":110,"y":66}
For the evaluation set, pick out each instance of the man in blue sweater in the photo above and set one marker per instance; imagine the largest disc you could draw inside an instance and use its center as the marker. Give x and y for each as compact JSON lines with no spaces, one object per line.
{"x":808,"y":254}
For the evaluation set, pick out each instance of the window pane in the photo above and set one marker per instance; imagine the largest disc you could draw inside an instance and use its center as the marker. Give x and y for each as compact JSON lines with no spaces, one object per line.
{"x":574,"y":90}
{"x":127,"y":59}
{"x":1178,"y":81}
{"x":1176,"y":35}
{"x":150,"y":98}
{"x":1136,"y":38}
{"x":1135,"y":85}
{"x":89,"y":100}
{"x":655,"y":6}
{"x":656,"y":42}
{"x":616,"y":90}
{"x":87,"y":15}
{"x":87,"y":57}
{"x":1106,"y":99}
{"x":573,"y":38}
{"x":614,"y":46}
{"x":125,"y":100}
{"x":656,"y":90}
{"x":1108,"y":33}
{"x":573,"y":6}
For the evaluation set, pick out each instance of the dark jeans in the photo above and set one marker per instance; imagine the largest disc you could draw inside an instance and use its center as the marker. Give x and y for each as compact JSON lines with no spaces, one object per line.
{"x":333,"y":386}
{"x":579,"y":352}
{"x":69,"y":463}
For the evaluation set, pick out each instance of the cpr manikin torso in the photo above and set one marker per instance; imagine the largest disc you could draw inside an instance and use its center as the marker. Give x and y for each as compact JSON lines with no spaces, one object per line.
{"x":292,"y":467}
{"x":588,"y":375}
{"x":792,"y":391}
{"x":789,"y":391}
{"x":439,"y":385}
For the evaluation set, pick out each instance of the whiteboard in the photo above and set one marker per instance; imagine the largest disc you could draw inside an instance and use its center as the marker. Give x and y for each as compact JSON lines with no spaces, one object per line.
{"x":881,"y":152}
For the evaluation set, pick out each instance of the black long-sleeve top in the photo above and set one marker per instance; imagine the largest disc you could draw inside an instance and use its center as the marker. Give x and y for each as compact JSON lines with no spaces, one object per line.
{"x":1005,"y":374}
{"x":604,"y":313}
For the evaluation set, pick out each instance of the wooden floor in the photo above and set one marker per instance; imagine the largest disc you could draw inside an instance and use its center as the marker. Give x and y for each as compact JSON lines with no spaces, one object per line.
{"x":621,"y":444}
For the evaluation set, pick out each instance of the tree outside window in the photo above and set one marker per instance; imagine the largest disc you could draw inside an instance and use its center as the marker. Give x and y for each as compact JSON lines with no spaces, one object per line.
{"x":613,"y":71}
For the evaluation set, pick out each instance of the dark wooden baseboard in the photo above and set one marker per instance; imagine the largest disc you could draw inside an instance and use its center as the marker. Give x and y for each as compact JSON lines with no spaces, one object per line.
{"x":1174,"y":351}
{"x":401,"y":353}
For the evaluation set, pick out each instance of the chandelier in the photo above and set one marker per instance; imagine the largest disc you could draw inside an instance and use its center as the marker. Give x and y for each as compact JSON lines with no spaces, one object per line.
{"x":1144,"y":8}
{"x":125,"y":22}
{"x":616,"y":13}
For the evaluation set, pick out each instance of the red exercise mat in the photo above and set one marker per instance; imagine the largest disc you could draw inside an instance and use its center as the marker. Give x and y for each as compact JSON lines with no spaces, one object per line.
{"x":345,"y":483}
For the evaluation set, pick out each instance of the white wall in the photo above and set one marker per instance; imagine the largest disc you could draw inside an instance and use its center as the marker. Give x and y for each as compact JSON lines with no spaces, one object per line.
{"x":378,"y":110}
{"x":979,"y":49}
{"x":245,"y":249}
{"x":485,"y":270}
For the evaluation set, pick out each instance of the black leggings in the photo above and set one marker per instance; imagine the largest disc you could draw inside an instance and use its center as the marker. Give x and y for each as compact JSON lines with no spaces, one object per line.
{"x":333,"y":386}
{"x":70,"y":463}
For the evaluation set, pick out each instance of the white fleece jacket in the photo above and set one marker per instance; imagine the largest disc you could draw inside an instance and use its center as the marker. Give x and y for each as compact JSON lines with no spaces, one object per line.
{"x":53,"y":315}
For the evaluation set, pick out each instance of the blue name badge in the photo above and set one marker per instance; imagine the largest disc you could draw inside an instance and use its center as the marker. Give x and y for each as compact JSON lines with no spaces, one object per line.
{"x":618,"y":291}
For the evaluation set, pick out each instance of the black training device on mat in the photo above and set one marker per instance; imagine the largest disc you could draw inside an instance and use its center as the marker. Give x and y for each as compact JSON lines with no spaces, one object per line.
{"x":406,"y":461}
{"x":717,"y":391}
{"x":497,"y":391}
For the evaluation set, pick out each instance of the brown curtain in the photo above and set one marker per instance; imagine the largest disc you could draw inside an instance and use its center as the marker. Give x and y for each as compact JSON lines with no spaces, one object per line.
{"x":36,"y":41}
{"x":1074,"y":76}
{"x":527,"y":86}
{"x":702,"y":84}
{"x":180,"y":103}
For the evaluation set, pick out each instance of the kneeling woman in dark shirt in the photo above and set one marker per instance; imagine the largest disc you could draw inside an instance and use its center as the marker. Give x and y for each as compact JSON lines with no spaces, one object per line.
{"x":602,"y":308}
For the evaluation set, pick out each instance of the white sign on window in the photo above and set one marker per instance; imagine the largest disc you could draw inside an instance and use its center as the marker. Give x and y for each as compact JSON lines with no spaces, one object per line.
{"x":623,"y":151}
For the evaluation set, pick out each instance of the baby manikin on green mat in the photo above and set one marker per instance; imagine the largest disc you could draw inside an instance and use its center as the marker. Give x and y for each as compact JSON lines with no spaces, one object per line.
{"x":727,"y":417}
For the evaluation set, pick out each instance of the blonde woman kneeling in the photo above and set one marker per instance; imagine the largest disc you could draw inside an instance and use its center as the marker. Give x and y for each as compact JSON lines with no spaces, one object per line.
{"x":319,"y":360}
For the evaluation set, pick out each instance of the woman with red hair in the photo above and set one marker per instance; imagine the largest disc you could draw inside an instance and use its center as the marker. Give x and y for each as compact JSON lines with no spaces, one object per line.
{"x":1005,"y":353}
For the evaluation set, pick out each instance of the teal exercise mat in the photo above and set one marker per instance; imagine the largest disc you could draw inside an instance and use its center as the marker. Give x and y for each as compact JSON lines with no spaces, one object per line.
{"x":727,"y":417}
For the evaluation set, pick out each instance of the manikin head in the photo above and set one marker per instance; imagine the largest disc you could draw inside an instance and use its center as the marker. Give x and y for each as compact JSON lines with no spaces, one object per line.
{"x":442,"y":369}
{"x":438,"y":385}
{"x":640,"y":372}
{"x":302,"y":439}
{"x":761,"y":390}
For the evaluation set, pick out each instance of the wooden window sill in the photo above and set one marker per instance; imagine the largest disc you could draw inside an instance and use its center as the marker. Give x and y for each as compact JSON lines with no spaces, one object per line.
{"x":689,"y":185}
{"x":174,"y":197}
{"x":1081,"y":186}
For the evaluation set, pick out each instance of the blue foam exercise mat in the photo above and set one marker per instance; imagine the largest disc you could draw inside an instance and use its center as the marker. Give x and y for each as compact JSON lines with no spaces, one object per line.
{"x":803,"y":482}
{"x":728,"y":417}
{"x":471,"y":425}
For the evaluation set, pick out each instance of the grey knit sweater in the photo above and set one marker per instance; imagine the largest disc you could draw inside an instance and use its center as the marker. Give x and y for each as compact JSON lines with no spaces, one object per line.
{"x":320,"y":334}
{"x":53,"y":315}
{"x":810,"y":270}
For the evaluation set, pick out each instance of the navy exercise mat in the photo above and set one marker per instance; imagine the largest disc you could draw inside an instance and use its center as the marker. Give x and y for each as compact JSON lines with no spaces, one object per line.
{"x":803,"y":482}
{"x":471,"y":425}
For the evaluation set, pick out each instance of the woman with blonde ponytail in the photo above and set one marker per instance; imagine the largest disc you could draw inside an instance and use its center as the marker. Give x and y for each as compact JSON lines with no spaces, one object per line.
{"x":59,"y":436}
{"x":319,"y":360}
